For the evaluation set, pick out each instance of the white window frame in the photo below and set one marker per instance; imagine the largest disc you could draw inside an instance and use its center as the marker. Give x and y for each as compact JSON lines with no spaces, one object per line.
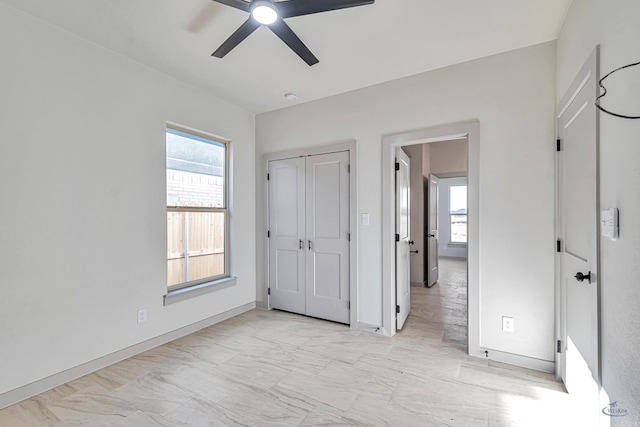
{"x":451,"y":243}
{"x":184,"y":290}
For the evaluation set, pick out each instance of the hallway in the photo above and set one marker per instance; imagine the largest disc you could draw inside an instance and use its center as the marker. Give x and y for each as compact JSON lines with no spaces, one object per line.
{"x":444,"y":305}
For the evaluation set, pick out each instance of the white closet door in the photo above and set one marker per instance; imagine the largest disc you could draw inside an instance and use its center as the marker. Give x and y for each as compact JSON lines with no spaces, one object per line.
{"x":327,"y":235}
{"x":287,"y":233}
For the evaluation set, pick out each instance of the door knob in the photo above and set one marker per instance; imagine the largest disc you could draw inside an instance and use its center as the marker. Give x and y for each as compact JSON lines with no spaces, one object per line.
{"x":431,"y":235}
{"x":414,"y":252}
{"x":411,"y":242}
{"x":580,"y":277}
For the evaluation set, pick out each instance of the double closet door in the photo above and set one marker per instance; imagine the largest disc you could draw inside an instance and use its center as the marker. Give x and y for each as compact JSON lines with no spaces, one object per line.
{"x":309,"y":235}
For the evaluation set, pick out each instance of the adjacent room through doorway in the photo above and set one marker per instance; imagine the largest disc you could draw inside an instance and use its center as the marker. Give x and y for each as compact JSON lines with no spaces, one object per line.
{"x":438,"y":244}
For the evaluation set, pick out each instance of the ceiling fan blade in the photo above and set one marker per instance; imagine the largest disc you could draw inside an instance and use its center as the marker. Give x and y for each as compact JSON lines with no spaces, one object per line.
{"x":238,"y":4}
{"x":287,"y":35}
{"x":290,"y":8}
{"x":249,"y":26}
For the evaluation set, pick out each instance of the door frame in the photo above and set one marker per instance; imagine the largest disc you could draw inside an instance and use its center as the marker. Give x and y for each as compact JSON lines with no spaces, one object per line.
{"x":471,"y":131}
{"x":351,"y":147}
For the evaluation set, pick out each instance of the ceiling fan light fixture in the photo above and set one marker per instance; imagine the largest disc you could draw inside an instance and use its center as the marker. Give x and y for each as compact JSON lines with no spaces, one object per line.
{"x":264,"y":12}
{"x":273,"y":14}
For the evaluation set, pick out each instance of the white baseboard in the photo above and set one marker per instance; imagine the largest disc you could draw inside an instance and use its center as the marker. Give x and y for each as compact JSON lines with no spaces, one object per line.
{"x":55,"y":380}
{"x":361,"y":326}
{"x":517,"y":360}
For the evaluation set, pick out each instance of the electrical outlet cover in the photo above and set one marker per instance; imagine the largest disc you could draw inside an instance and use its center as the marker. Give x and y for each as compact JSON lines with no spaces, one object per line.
{"x":507,"y":324}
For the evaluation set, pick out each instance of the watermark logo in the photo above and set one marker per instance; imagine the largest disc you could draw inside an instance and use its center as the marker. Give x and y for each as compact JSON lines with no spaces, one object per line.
{"x":612,"y":410}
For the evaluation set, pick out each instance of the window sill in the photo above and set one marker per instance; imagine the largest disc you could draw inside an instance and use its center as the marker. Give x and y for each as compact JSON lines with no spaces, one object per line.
{"x":457,"y":245}
{"x":178,"y":295}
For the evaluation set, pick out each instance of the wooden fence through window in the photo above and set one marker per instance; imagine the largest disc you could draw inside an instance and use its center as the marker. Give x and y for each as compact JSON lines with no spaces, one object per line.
{"x":195,"y":248}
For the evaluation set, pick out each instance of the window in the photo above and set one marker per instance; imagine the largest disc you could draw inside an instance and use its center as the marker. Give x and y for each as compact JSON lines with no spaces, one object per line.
{"x":197,"y":210}
{"x":458,"y":213}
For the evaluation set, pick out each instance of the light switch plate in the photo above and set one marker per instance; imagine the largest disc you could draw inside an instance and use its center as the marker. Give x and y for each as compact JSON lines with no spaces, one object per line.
{"x":609,"y":223}
{"x":365,"y":219}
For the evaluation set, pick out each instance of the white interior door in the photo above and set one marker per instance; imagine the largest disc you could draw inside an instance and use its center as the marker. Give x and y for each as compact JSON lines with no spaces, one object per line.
{"x":578,"y":228}
{"x":431,"y":230}
{"x":327,"y":233}
{"x":287,"y":234}
{"x":403,"y":295}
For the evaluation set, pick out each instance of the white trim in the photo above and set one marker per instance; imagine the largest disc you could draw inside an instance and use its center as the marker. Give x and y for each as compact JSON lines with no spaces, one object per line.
{"x":351,"y":146}
{"x":456,"y":245}
{"x":192,"y":291}
{"x":471,"y":131}
{"x":345,"y":145}
{"x":55,"y":380}
{"x":521,"y":361}
{"x":227,"y":210}
{"x":367,"y":327}
{"x":197,"y":132}
{"x":445,"y":246}
{"x":447,"y":175}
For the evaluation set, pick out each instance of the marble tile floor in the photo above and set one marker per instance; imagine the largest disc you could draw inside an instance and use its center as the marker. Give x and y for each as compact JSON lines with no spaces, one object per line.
{"x":270,"y":368}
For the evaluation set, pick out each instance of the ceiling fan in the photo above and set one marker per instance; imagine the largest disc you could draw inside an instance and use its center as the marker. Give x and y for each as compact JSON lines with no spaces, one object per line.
{"x":272,"y":14}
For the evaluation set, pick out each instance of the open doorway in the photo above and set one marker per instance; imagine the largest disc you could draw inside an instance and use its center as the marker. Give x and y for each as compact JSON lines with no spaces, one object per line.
{"x":438,"y":254}
{"x":469,"y":131}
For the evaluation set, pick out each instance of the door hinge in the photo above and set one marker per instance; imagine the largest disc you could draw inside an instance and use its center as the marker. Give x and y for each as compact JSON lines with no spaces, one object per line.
{"x":268,"y":234}
{"x":558,"y":245}
{"x":397,"y":166}
{"x":348,"y":237}
{"x":348,"y":168}
{"x":267,"y":177}
{"x":559,"y":346}
{"x":558,"y":145}
{"x":397,"y":309}
{"x":397,"y":237}
{"x":268,"y":291}
{"x":349,"y":305}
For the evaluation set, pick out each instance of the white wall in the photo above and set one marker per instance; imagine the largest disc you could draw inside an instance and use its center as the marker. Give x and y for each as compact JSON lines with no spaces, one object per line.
{"x":614,"y":25}
{"x":416,"y":192}
{"x":512,"y":95}
{"x":426,"y":160}
{"x":444,"y":229}
{"x":449,"y":158}
{"x":82,"y":182}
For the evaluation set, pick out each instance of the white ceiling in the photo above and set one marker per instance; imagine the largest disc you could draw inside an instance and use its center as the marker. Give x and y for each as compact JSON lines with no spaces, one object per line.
{"x":357,"y":47}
